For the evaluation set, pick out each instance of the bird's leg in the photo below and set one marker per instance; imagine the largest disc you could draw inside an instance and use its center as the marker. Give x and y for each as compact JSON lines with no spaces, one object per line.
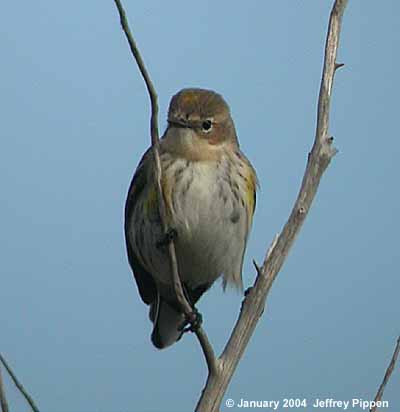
{"x":170,"y":235}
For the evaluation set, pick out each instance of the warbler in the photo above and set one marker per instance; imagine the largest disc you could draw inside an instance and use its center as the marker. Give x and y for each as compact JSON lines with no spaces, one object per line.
{"x":209,"y":189}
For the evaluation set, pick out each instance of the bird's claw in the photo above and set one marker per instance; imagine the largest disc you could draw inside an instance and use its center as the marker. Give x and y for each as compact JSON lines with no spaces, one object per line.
{"x":192,"y":322}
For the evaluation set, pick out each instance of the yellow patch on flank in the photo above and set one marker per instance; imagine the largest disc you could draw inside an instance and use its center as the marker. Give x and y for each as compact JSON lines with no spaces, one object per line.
{"x":251,"y":185}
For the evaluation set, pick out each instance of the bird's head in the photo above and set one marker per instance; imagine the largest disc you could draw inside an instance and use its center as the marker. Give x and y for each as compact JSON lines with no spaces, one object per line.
{"x":199,"y":124}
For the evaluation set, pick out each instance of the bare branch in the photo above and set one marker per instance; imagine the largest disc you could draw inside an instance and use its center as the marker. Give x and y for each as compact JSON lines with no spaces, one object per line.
{"x":386,"y":378}
{"x":3,"y":399}
{"x":19,"y":385}
{"x":318,"y":160}
{"x":186,"y":307}
{"x":143,"y":71}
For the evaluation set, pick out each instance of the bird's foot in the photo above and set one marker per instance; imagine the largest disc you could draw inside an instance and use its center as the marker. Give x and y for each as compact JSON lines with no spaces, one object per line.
{"x":192,"y":322}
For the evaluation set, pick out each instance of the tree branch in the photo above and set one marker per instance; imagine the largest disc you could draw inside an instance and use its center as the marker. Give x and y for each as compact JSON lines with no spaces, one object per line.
{"x":3,"y":399}
{"x":318,"y":160}
{"x":186,"y":307}
{"x":386,"y":378}
{"x":19,"y":385}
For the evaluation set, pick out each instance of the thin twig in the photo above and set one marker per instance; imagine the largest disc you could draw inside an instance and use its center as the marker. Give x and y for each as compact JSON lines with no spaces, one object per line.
{"x":386,"y":378}
{"x":3,"y":399}
{"x":318,"y":160}
{"x":186,"y":307}
{"x":19,"y":385}
{"x":143,"y":71}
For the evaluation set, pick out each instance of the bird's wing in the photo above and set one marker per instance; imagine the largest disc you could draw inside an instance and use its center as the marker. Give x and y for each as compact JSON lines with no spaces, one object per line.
{"x":250,"y":201}
{"x":145,"y":282}
{"x":249,"y":196}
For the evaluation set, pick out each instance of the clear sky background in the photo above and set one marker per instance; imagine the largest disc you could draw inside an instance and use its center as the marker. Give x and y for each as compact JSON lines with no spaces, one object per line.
{"x":74,"y":123}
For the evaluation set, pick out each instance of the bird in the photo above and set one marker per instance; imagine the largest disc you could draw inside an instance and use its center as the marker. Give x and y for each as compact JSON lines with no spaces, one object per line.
{"x":209,"y":189}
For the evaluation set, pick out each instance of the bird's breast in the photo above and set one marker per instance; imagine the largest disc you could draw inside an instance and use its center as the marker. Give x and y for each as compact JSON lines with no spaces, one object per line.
{"x":206,"y":201}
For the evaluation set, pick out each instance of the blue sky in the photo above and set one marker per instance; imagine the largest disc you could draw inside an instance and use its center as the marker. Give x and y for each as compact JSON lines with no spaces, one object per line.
{"x":74,"y":125}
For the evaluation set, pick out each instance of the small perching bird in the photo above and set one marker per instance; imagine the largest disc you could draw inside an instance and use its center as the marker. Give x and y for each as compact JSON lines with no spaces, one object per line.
{"x":209,"y":190}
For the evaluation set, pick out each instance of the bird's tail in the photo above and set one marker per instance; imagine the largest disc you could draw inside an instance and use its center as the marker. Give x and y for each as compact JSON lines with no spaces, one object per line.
{"x":167,"y":321}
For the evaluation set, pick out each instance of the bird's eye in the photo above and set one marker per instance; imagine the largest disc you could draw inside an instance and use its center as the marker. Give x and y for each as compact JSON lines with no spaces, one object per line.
{"x":206,"y":126}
